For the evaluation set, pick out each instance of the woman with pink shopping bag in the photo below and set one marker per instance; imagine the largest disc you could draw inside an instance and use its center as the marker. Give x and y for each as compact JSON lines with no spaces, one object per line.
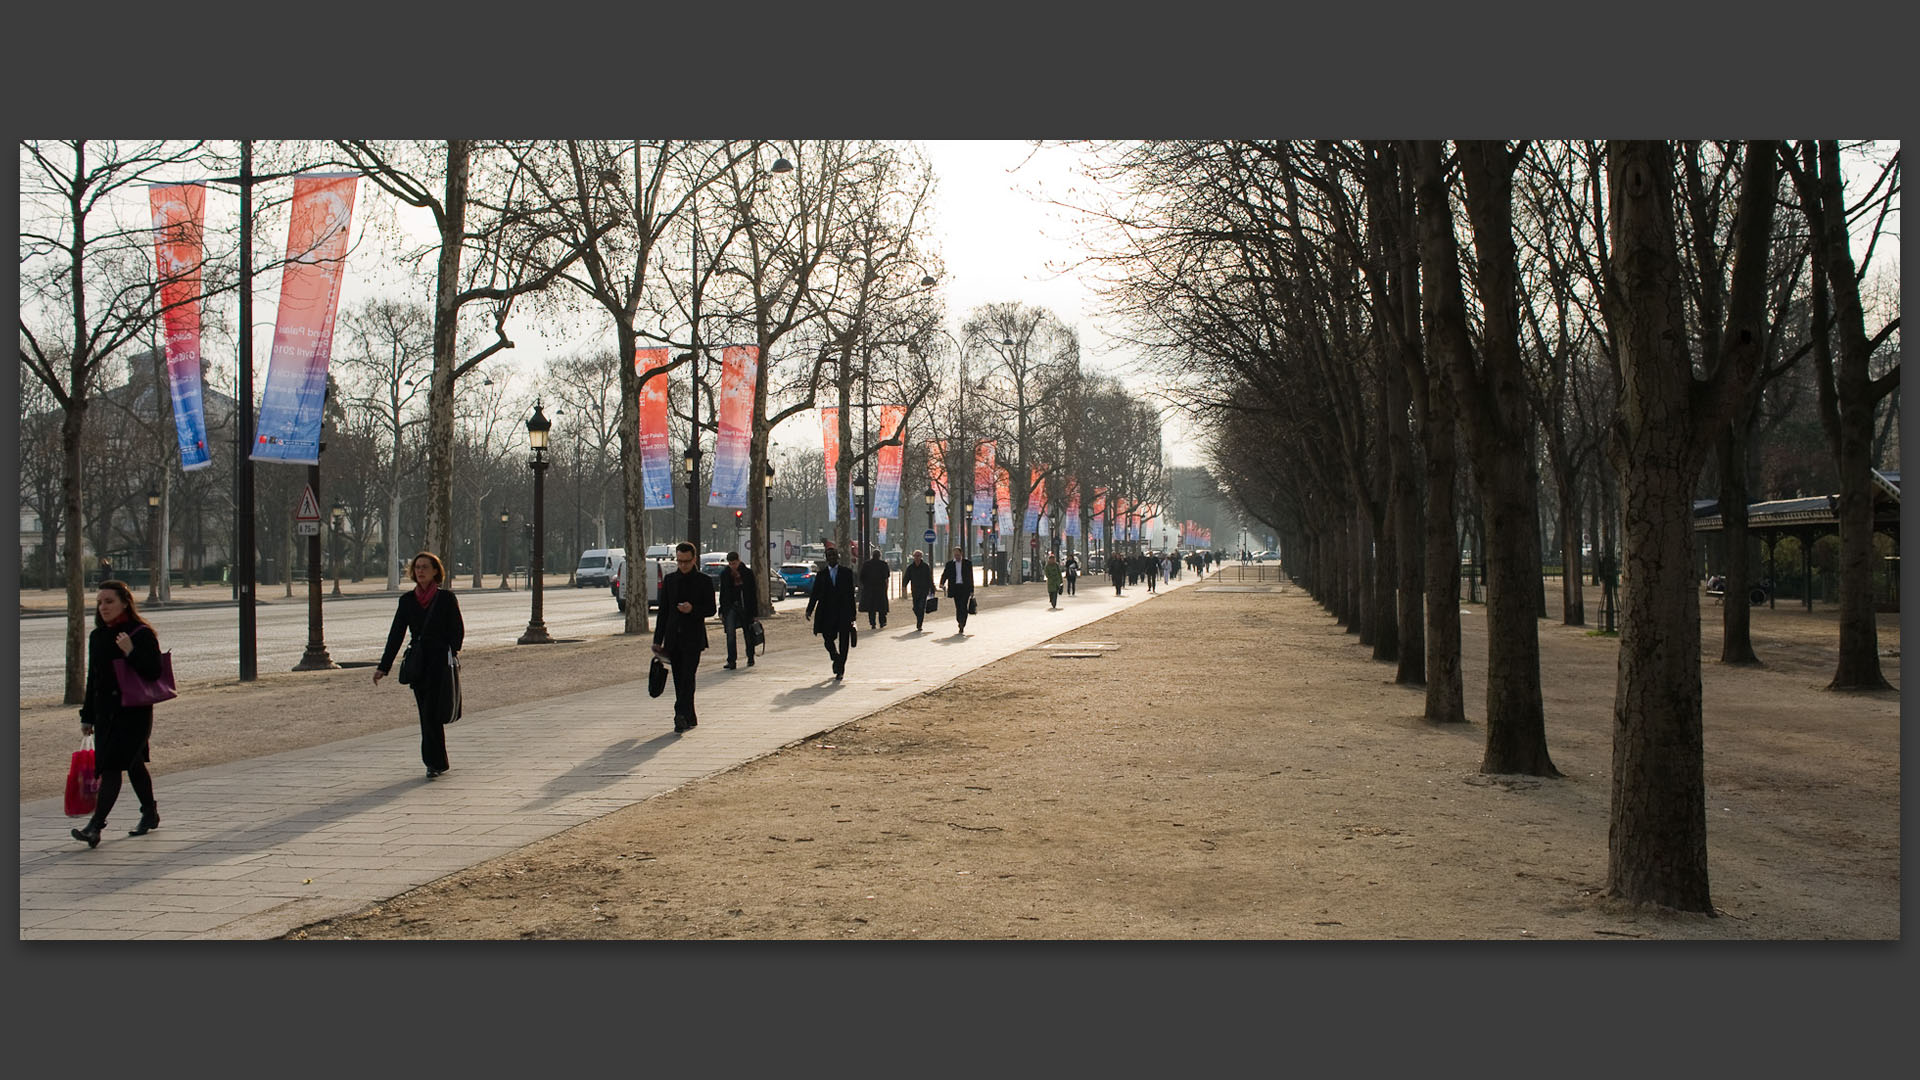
{"x":120,"y":731}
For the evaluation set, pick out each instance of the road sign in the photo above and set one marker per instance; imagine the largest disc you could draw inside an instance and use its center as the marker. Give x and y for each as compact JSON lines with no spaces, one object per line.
{"x":928,"y":536}
{"x":309,"y":508}
{"x":306,"y":528}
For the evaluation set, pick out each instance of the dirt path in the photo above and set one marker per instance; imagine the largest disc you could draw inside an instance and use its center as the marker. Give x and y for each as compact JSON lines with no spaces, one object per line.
{"x":1237,"y":767}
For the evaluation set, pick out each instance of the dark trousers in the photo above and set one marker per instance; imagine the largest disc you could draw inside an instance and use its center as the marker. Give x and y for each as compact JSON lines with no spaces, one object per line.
{"x":919,"y":612}
{"x":110,"y":792}
{"x":433,"y":698}
{"x":1070,"y":582}
{"x":960,"y":610}
{"x":736,"y":618}
{"x":1117,"y":582}
{"x":685,"y":662}
{"x":1053,"y":596}
{"x":844,"y":637}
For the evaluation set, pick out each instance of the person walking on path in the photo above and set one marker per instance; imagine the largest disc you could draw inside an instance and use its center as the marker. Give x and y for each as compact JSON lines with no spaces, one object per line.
{"x":1072,"y":571}
{"x":875,"y":577}
{"x":121,"y":733}
{"x":1054,"y":578}
{"x":831,"y":607}
{"x":1117,"y":566}
{"x":680,"y":635}
{"x":739,"y":599}
{"x":957,"y":579}
{"x":430,"y":667}
{"x":1150,"y":569}
{"x":918,"y":578}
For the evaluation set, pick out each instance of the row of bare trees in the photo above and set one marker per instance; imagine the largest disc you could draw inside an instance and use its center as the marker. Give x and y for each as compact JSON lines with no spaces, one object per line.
{"x":1586,"y":326}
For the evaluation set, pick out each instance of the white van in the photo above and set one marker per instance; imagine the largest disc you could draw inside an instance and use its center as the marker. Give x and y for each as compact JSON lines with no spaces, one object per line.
{"x":596,"y":567}
{"x":658,"y":564}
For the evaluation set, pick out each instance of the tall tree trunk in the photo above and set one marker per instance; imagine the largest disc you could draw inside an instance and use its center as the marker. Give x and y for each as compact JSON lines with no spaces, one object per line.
{"x":633,"y":501}
{"x":1657,"y":836}
{"x":1736,"y":616}
{"x":1443,"y":316}
{"x":1573,"y":607}
{"x":446,"y":333}
{"x":72,"y":428}
{"x":1499,"y":424}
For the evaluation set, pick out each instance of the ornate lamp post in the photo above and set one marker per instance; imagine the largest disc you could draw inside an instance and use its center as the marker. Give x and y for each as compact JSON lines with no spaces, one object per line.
{"x":153,"y":545}
{"x":860,"y":507}
{"x":930,"y":499}
{"x":691,"y":460}
{"x":334,"y":520}
{"x":966,"y":534}
{"x":537,"y":427}
{"x":772,"y":566}
{"x":315,"y":658}
{"x":504,"y":518}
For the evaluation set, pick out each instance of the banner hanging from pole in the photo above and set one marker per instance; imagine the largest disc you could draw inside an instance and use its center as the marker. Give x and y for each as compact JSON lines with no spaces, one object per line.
{"x":1003,"y":499}
{"x":1036,"y":501}
{"x":886,"y":493}
{"x":733,"y":446}
{"x":292,"y":402}
{"x":656,"y":456}
{"x":1073,"y":508}
{"x":983,"y":484}
{"x":830,"y":439}
{"x":177,"y":230}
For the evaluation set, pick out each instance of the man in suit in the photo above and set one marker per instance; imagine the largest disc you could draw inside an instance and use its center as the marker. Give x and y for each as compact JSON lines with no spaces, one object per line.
{"x":831,"y":607}
{"x":957,"y":579}
{"x":680,"y":634}
{"x":918,"y":578}
{"x":739,"y":602}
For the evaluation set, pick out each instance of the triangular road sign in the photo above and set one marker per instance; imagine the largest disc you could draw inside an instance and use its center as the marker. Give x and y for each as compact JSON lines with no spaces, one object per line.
{"x":309,"y":506}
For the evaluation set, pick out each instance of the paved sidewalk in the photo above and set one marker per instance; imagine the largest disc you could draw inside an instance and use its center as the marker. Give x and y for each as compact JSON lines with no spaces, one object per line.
{"x":252,"y":849}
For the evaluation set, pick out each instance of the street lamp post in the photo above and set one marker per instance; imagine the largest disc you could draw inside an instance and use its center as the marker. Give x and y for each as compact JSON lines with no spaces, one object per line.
{"x":772,"y":565}
{"x":504,"y":518}
{"x":334,"y":519}
{"x":315,"y":658}
{"x":691,"y":459}
{"x":537,"y":427}
{"x":153,"y":545}
{"x":966,"y":533}
{"x":860,"y":507}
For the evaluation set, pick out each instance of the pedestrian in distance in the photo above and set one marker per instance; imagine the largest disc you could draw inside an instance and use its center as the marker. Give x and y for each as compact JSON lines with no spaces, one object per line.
{"x":680,"y":634}
{"x":957,"y":579}
{"x":918,"y":578}
{"x":1055,"y":578}
{"x":1072,"y":569}
{"x":431,"y":613}
{"x":1150,"y":569}
{"x":875,"y":576}
{"x":1117,"y":566}
{"x":739,"y":602}
{"x":831,"y":607}
{"x":120,"y":732}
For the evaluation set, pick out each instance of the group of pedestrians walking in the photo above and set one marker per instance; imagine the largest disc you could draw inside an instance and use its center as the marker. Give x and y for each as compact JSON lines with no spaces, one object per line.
{"x":428,"y":623}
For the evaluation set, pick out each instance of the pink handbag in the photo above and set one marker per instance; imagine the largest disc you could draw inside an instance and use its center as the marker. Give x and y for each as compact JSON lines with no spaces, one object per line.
{"x":137,"y":690}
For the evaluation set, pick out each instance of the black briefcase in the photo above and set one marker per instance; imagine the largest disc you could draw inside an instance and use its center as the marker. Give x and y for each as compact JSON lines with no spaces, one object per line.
{"x":657,"y":677}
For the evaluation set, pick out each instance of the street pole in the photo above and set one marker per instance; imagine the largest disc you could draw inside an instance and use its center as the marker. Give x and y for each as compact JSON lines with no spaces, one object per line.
{"x":153,"y":546}
{"x":244,"y":569}
{"x":333,"y":553}
{"x":315,"y":657}
{"x":693,"y":368}
{"x":537,"y":427}
{"x":505,"y":517}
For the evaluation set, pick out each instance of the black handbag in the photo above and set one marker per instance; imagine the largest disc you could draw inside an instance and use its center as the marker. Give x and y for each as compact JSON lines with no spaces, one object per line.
{"x":756,"y":636}
{"x":409,"y":670}
{"x":933,"y":602}
{"x":657,"y":677}
{"x":972,"y":608}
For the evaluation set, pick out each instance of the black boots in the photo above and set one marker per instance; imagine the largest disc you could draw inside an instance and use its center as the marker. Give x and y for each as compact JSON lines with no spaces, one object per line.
{"x":89,"y":836}
{"x":149,"y":821}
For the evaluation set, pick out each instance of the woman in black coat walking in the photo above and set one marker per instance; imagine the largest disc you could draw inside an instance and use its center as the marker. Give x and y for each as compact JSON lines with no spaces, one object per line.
{"x":120,"y":733}
{"x":431,"y":666}
{"x":875,"y":575}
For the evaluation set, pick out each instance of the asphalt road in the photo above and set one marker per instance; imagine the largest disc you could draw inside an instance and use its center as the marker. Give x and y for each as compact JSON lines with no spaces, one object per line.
{"x":205,"y":641}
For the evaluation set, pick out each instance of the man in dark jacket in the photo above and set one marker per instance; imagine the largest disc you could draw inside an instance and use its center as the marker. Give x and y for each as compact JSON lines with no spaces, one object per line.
{"x":831,"y":607}
{"x":918,"y":578}
{"x":957,"y":579}
{"x":875,"y":575}
{"x":739,"y":601}
{"x":680,"y":635}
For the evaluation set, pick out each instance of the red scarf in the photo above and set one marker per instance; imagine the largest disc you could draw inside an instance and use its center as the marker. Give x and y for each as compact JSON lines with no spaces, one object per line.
{"x":423,"y":594}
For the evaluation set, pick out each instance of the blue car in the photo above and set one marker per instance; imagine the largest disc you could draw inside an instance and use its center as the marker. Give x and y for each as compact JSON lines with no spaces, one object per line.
{"x":798,"y":576}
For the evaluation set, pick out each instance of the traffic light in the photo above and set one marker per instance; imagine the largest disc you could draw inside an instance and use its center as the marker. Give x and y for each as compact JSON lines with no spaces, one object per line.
{"x":736,"y":519}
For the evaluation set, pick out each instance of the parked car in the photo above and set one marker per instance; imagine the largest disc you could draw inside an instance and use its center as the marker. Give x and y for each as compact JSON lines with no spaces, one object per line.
{"x":798,"y":576}
{"x":596,"y":566}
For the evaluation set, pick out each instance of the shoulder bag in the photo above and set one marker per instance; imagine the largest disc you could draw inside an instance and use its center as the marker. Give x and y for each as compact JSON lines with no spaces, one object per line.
{"x":137,"y":690}
{"x":409,"y":672}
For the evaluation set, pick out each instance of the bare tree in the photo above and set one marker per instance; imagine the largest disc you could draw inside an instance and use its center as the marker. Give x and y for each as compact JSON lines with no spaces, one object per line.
{"x":385,"y":372}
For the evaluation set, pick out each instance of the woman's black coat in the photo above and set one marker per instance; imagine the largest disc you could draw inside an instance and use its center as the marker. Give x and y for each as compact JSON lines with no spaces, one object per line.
{"x":119,"y":734}
{"x":435,"y":632}
{"x":873,"y":584}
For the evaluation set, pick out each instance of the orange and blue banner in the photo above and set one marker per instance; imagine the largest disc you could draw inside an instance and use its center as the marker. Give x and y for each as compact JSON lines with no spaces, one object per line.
{"x":886,"y":492}
{"x":733,"y":445}
{"x":656,"y":456}
{"x":177,"y":229}
{"x":1073,"y":508}
{"x":937,"y":478}
{"x":830,"y":441}
{"x":295,"y":396}
{"x":982,"y":484}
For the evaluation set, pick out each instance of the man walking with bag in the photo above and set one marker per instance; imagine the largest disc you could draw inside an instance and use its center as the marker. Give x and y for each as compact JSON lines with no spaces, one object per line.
{"x":957,"y":579}
{"x":918,"y":578}
{"x":831,"y":607}
{"x":739,"y":600}
{"x":680,"y":635}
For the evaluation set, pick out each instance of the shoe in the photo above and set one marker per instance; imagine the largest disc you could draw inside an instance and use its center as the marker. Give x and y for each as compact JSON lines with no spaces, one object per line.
{"x":749,"y":661}
{"x":433,"y":774}
{"x":148,"y":823}
{"x":692,"y":723}
{"x":89,"y":835}
{"x":729,"y":665}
